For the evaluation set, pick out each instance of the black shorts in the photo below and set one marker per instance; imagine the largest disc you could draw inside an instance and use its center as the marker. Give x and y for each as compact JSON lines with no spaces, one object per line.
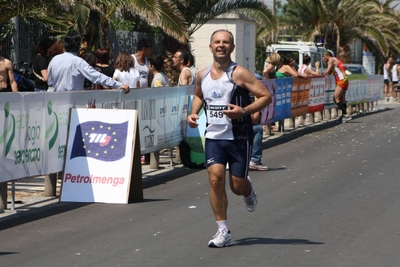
{"x":235,"y":152}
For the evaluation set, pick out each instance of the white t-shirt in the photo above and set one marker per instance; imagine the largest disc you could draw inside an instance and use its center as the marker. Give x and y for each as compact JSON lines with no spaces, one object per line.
{"x":130,"y":77}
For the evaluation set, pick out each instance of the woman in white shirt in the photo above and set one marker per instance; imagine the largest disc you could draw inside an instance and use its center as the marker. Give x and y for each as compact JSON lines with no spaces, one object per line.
{"x":305,"y":69}
{"x":125,"y":72}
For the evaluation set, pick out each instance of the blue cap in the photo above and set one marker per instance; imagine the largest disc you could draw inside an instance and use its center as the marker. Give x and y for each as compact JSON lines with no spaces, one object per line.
{"x":398,"y":61}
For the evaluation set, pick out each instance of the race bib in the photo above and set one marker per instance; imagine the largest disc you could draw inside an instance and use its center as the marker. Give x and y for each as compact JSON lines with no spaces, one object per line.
{"x":216,"y":116}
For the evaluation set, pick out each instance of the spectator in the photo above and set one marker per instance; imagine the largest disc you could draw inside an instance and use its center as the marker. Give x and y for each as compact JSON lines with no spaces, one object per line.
{"x":103,"y":56}
{"x":56,"y":49}
{"x":191,"y":66}
{"x":156,"y":65}
{"x":40,"y":64}
{"x":286,"y":69}
{"x":180,"y":61}
{"x":67,"y":71}
{"x":304,"y":69}
{"x":395,"y":77}
{"x":144,"y":50}
{"x":256,"y":151}
{"x":7,"y":73}
{"x":269,"y":71}
{"x":90,"y":58}
{"x":387,"y":77}
{"x":125,"y":71}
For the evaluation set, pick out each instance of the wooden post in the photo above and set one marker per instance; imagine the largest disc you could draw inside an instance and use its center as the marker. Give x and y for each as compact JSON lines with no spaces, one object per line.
{"x":291,"y":123}
{"x":177,"y":155}
{"x":267,"y":129}
{"x":50,"y":185}
{"x":3,"y":196}
{"x":155,"y":160}
{"x":136,"y":186}
{"x":311,"y":118}
{"x":334,"y":113}
{"x":327,"y":113}
{"x":318,"y":116}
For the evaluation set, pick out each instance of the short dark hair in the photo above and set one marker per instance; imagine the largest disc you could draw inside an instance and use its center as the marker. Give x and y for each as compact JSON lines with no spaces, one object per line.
{"x":103,"y":55}
{"x":43,"y":46}
{"x":306,"y":59}
{"x":157,"y":61}
{"x":224,"y":30}
{"x":144,"y":43}
{"x":90,"y":58}
{"x":72,"y":41}
{"x":191,"y":59}
{"x":184,"y":55}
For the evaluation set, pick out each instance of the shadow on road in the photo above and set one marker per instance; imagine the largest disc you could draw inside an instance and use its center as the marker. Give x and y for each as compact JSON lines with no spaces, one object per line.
{"x":292,"y":134}
{"x":272,"y":241}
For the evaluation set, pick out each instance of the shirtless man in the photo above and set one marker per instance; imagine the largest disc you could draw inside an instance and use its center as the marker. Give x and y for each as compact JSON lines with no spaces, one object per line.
{"x":6,"y":72}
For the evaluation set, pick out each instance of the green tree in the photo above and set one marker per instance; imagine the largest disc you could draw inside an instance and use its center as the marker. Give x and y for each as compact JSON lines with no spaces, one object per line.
{"x":95,"y":15}
{"x":196,"y":13}
{"x":341,"y":22}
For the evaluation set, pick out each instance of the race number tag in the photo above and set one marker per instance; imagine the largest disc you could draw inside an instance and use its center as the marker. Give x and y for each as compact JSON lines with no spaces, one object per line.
{"x":216,"y":116}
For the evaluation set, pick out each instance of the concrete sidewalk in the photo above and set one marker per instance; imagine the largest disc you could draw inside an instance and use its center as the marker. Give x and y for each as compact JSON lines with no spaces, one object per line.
{"x":29,"y":192}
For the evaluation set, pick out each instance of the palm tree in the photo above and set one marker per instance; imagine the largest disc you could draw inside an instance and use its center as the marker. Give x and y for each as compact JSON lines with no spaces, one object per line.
{"x":341,"y":22}
{"x":198,"y":12}
{"x":89,"y":14}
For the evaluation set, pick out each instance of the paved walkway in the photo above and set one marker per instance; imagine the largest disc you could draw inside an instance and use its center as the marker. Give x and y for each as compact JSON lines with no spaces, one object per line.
{"x":29,"y":196}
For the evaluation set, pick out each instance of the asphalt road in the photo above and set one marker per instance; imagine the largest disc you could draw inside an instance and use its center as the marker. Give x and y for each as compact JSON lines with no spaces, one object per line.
{"x":331,"y":199}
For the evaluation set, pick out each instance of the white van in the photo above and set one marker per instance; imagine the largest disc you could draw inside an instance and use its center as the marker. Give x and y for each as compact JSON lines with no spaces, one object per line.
{"x":297,"y":50}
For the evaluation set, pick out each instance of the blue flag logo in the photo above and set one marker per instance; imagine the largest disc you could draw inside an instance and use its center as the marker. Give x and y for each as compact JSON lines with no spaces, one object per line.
{"x":100,"y":140}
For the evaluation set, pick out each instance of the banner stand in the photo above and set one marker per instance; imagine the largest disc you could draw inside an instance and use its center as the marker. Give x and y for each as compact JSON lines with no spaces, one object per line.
{"x":136,"y":184}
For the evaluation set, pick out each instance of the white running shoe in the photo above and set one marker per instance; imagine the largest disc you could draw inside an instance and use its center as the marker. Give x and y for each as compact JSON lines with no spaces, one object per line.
{"x":221,"y":239}
{"x":251,"y":200}
{"x":257,"y":166}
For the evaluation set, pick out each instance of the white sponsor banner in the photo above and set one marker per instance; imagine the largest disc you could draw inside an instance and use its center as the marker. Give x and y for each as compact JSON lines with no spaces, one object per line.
{"x":12,"y":135}
{"x":99,"y":155}
{"x":162,"y":115}
{"x":34,"y":126}
{"x":317,"y":94}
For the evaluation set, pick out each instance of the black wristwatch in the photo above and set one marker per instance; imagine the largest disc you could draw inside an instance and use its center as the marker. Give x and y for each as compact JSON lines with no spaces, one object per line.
{"x":244,"y":114}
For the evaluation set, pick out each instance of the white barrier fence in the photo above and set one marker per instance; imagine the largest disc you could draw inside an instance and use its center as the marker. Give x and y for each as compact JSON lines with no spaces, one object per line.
{"x":34,"y":126}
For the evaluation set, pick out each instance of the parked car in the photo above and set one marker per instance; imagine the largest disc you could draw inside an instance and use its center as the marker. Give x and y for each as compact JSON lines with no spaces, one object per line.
{"x":355,"y":69}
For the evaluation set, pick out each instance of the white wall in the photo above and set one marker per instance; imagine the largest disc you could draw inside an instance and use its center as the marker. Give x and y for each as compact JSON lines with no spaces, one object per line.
{"x":244,"y":53}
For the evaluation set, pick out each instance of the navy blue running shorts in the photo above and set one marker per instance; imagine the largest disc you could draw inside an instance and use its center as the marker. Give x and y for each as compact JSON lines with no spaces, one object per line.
{"x":235,"y":152}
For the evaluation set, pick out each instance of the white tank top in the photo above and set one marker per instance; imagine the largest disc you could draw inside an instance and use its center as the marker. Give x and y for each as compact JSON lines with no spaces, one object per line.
{"x":395,"y":77}
{"x":193,"y":80}
{"x":144,"y":71}
{"x":216,"y":96}
{"x":386,"y":75}
{"x":302,"y":69}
